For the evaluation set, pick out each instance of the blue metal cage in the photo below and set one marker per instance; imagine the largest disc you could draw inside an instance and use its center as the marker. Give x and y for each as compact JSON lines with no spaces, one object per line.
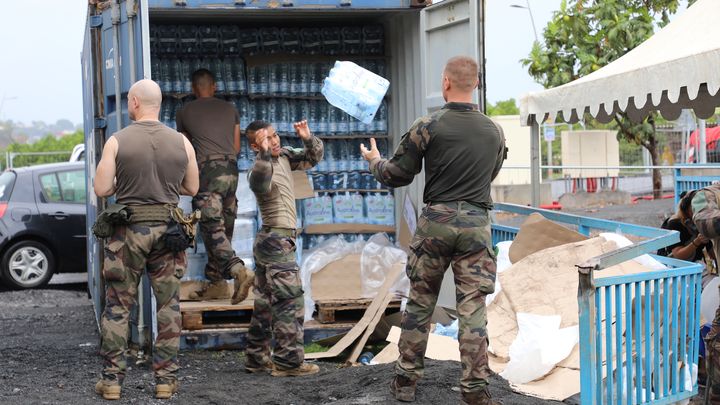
{"x":640,"y":333}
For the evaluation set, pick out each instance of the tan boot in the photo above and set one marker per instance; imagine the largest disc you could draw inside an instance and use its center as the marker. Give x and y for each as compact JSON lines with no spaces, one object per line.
{"x":166,"y":390}
{"x":478,"y":398}
{"x":304,"y":369}
{"x":403,"y":388}
{"x":109,"y":390}
{"x":216,"y":290}
{"x":252,"y":368}
{"x":244,"y":279}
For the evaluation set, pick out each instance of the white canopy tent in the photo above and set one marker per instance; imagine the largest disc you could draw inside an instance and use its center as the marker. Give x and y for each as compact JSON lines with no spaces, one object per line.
{"x":677,"y":68}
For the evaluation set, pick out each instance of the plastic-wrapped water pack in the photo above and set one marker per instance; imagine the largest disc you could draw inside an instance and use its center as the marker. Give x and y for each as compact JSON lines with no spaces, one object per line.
{"x":378,"y":257}
{"x":357,"y":91}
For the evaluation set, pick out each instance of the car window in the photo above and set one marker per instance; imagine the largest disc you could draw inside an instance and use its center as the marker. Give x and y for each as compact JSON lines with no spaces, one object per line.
{"x":7,"y":181}
{"x":51,"y":187}
{"x":72,"y":186}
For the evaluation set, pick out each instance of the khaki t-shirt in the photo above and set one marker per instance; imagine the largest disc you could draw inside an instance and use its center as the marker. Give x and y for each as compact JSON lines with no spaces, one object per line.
{"x":209,"y":123}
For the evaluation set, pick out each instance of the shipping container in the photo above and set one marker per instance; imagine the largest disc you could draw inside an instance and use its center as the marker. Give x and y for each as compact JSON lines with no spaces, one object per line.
{"x":256,"y":48}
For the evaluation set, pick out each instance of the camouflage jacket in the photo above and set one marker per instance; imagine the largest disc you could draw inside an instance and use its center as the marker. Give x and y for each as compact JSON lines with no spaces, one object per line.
{"x":463,"y":154}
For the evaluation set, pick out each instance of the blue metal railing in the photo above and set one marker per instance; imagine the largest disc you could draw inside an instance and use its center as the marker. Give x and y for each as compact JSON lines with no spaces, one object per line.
{"x":639,"y":333}
{"x":687,"y":183}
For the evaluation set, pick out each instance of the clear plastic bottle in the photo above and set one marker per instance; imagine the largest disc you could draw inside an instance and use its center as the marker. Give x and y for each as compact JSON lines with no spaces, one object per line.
{"x":176,"y":76}
{"x":243,"y":107}
{"x":249,"y":41}
{"x":283,"y":114}
{"x":155,"y":71}
{"x":343,"y":123}
{"x":311,"y":41}
{"x":331,"y":41}
{"x":272,"y":114}
{"x":323,"y":114}
{"x":309,"y":110}
{"x":333,"y":120}
{"x":262,"y":79}
{"x":252,"y":86}
{"x":218,"y":69}
{"x":230,"y":70}
{"x":293,"y":79}
{"x":283,"y":79}
{"x":240,"y":75}
{"x":306,"y":76}
{"x":274,"y":79}
{"x":380,"y":121}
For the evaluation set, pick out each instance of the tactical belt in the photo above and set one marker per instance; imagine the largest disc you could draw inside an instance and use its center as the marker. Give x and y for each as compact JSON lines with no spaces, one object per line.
{"x":208,"y":158}
{"x":150,"y":213}
{"x":460,"y":205}
{"x":292,"y":233}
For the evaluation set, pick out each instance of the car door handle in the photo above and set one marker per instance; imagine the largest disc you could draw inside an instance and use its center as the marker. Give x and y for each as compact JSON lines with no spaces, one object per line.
{"x":60,"y":215}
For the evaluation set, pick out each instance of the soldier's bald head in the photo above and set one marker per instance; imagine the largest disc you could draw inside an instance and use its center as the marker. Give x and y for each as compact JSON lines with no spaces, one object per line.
{"x":462,"y":71}
{"x":147,"y":93}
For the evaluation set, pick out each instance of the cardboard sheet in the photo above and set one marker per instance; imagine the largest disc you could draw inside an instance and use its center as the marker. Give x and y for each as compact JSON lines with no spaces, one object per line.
{"x":438,"y":347}
{"x":528,"y":241}
{"x":389,"y":354}
{"x":339,"y":280}
{"x":303,"y":188}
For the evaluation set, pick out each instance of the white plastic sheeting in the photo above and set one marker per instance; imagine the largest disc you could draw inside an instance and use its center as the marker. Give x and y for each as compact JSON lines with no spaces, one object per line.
{"x":539,"y":346}
{"x":675,"y":69}
{"x":378,"y":256}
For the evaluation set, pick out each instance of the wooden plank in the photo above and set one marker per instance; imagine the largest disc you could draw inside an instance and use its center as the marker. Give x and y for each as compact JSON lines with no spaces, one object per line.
{"x":367,"y":318}
{"x":192,"y":320}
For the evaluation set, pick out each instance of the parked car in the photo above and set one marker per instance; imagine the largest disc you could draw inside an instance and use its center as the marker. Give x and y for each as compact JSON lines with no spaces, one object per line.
{"x":78,"y":153}
{"x":42,"y":223}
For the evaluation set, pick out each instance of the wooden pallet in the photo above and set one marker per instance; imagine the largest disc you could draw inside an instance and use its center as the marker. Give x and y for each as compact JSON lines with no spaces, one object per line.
{"x":332,"y":311}
{"x":198,"y":315}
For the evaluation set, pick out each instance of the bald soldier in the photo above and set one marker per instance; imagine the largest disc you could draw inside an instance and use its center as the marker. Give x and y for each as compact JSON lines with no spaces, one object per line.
{"x":463,"y":151}
{"x":213,"y":127}
{"x":146,"y":166}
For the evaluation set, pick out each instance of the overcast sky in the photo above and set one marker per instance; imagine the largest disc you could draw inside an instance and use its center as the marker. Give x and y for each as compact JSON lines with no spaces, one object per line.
{"x":41,"y":41}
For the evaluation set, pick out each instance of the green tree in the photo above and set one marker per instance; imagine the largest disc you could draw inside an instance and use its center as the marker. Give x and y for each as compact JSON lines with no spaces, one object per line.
{"x":503,"y":107}
{"x":49,"y":143}
{"x":585,"y":35}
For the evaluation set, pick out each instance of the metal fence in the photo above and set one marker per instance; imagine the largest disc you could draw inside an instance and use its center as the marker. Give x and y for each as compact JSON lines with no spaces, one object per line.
{"x":639,"y":334}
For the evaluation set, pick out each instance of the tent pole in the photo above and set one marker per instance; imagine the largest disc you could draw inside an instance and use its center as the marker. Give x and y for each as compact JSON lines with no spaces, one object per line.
{"x":702,"y":148}
{"x":535,"y":160}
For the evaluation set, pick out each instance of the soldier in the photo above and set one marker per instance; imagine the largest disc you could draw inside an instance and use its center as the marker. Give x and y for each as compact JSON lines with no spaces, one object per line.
{"x":213,"y":127}
{"x":146,"y":166}
{"x":706,"y":215}
{"x":278,"y":291}
{"x":463,"y":152}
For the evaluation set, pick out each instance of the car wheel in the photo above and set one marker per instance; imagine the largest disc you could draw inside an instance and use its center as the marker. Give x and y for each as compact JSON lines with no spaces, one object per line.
{"x":27,"y":264}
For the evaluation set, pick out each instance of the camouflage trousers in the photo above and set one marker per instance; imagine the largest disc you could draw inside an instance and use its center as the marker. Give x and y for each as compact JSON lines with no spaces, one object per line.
{"x":128,"y":252}
{"x":279,"y":305}
{"x":218,"y":205}
{"x":456,"y":234}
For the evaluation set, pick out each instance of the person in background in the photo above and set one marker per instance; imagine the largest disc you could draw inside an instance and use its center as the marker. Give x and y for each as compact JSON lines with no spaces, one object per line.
{"x":213,"y":127}
{"x":692,"y":246}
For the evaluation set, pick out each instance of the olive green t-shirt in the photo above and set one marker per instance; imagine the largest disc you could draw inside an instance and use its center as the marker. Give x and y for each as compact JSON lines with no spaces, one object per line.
{"x":209,"y":124}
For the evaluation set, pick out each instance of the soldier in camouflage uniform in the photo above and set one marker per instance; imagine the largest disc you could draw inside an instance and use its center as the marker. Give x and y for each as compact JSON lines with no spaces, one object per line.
{"x":463,"y":150}
{"x":213,"y":127}
{"x":279,"y":306}
{"x":146,"y":166}
{"x":706,"y":215}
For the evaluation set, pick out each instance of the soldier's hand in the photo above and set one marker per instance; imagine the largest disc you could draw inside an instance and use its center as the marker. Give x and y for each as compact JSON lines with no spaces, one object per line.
{"x":372,"y":153}
{"x":261,"y":140}
{"x":301,"y":128}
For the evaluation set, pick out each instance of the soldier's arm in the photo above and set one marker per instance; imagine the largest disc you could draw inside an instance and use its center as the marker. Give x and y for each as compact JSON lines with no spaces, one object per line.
{"x":312,"y":151}
{"x":260,"y":177}
{"x":502,"y":153}
{"x":236,"y":138}
{"x":191,"y":182}
{"x":706,"y":214}
{"x":105,"y":173}
{"x":180,"y":125}
{"x":308,"y":157}
{"x":407,"y":162}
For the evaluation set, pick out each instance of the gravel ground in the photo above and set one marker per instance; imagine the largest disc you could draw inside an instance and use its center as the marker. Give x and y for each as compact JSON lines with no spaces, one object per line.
{"x":49,"y":344}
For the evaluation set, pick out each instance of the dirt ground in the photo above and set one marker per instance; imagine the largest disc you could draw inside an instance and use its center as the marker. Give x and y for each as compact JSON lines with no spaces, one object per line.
{"x":49,"y":344}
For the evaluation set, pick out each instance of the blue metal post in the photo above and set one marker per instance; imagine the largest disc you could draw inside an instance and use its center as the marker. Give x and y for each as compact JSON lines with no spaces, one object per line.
{"x":588,"y":372}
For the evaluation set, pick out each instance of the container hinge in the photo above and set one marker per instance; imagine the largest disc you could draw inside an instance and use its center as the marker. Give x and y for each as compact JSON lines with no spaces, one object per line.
{"x":287,"y":3}
{"x":240,"y":3}
{"x":96,"y":21}
{"x":100,"y":123}
{"x":180,"y":3}
{"x":345,"y":3}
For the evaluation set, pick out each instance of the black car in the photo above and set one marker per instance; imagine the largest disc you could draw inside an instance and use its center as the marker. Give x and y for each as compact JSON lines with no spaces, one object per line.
{"x":42,"y":223}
